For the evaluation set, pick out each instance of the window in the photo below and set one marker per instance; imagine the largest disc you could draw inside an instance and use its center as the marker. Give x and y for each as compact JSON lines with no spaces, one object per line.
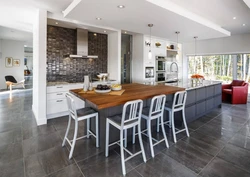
{"x":212,"y":67}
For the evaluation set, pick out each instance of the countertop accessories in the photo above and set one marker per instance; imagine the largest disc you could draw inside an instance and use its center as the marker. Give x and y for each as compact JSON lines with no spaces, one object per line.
{"x":177,"y":55}
{"x":149,"y":52}
{"x":86,"y":83}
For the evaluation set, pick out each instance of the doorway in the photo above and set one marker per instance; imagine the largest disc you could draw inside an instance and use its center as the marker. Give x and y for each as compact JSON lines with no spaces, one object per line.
{"x":126,"y":56}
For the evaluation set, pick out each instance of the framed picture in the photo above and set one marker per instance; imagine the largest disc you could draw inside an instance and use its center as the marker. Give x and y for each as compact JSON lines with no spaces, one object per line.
{"x":16,"y":62}
{"x":8,"y":62}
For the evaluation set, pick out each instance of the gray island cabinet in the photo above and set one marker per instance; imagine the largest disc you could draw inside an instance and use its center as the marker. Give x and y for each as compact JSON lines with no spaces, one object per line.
{"x":201,"y":98}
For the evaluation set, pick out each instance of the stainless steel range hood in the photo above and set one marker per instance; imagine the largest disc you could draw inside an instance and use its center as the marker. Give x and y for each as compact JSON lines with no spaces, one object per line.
{"x":82,"y":45}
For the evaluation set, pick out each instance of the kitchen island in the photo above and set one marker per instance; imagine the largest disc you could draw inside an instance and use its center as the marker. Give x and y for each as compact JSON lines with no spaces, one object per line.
{"x":202,"y":97}
{"x":110,"y":105}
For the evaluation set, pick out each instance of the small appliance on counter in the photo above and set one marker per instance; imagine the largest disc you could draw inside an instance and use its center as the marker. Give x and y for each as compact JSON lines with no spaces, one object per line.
{"x":149,"y":72}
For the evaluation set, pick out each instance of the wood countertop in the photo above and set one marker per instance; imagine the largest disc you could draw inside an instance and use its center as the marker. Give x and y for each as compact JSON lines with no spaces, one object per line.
{"x":132,"y":92}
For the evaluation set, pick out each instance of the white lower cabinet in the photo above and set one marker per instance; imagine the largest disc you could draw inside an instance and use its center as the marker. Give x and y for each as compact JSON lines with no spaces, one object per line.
{"x":56,"y":100}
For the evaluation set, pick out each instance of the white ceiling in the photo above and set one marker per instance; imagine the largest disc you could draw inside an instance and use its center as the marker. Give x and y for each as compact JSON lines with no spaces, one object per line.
{"x":13,"y":34}
{"x":203,"y":18}
{"x":221,"y":12}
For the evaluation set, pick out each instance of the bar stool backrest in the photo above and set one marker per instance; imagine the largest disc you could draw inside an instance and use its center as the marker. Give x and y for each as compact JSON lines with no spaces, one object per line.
{"x":131,"y":113}
{"x":157,"y":106}
{"x":179,"y":100}
{"x":71,"y":106}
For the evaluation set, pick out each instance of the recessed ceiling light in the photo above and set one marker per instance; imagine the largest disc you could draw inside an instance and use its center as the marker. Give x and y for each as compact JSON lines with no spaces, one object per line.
{"x":95,"y":34}
{"x":104,"y":31}
{"x":25,"y":45}
{"x":234,"y":18}
{"x":56,"y":23}
{"x":125,"y":32}
{"x":243,"y":24}
{"x":121,"y":6}
{"x":98,"y":18}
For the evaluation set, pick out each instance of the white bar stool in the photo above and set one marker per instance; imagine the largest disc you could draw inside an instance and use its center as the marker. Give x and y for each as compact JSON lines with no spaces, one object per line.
{"x":155,"y":112}
{"x":78,"y":115}
{"x":128,"y":119}
{"x":179,"y":102}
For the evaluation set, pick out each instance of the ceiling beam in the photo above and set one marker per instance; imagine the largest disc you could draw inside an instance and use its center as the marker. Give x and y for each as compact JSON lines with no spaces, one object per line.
{"x":70,"y":7}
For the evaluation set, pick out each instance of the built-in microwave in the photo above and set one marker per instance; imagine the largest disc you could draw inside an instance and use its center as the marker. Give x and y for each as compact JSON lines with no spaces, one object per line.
{"x":160,"y":76}
{"x":160,"y":63}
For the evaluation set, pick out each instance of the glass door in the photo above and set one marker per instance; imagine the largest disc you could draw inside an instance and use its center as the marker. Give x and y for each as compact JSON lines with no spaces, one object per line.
{"x":126,"y":55}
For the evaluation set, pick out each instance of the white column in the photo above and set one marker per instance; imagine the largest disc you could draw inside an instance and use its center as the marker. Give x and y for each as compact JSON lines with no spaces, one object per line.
{"x":234,"y":57}
{"x":39,"y":66}
{"x":114,"y":55}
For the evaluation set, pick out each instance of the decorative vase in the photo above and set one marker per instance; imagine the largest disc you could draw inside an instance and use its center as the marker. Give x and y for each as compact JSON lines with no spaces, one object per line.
{"x":86,"y":83}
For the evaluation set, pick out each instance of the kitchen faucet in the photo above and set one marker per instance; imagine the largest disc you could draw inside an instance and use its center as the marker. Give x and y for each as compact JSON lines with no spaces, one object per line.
{"x":171,"y":68}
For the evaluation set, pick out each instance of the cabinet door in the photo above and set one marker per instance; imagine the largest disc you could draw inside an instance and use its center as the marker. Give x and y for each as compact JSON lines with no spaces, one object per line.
{"x":209,"y":104}
{"x":59,"y":88}
{"x":210,"y":91}
{"x":190,"y":113}
{"x":191,"y":97}
{"x":200,"y":94}
{"x":56,"y":95}
{"x":217,"y":89}
{"x":200,"y":108}
{"x":56,"y":106}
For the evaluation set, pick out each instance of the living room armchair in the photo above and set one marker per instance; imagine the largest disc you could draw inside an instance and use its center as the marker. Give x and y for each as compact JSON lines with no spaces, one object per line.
{"x":236,"y":92}
{"x":11,"y":81}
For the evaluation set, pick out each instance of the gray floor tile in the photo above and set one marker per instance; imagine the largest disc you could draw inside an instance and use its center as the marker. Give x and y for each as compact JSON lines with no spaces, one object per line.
{"x":37,"y":131}
{"x":162,"y":166}
{"x":189,"y":156}
{"x":12,"y":169}
{"x":69,"y":171}
{"x":8,"y":126}
{"x":232,"y":119}
{"x":47,"y":162}
{"x":241,"y":141}
{"x":218,"y":124}
{"x":201,"y":145}
{"x":222,"y":168}
{"x":84,"y":148}
{"x":101,"y":166}
{"x":219,"y":134}
{"x":236,"y":155}
{"x":12,"y":136}
{"x":10,"y":152}
{"x":199,"y":122}
{"x":40,"y":143}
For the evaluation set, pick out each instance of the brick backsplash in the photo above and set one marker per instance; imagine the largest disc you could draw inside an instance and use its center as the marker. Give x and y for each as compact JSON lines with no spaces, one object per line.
{"x":61,"y":41}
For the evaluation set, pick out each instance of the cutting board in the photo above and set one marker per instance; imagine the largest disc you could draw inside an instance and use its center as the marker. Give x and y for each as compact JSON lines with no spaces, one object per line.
{"x":119,"y":92}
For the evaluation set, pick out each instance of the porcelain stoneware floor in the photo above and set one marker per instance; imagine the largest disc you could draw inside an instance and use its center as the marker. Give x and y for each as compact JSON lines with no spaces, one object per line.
{"x":219,"y":145}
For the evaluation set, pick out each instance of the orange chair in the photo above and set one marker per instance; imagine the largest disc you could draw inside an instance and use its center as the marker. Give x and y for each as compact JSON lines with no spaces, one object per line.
{"x":236,"y":92}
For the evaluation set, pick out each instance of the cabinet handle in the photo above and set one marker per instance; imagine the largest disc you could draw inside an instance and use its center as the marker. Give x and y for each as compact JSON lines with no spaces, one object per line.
{"x":59,"y":87}
{"x":59,"y":94}
{"x":59,"y":100}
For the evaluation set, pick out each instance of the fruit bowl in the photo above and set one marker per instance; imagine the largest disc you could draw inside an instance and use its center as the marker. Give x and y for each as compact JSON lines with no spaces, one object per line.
{"x":102,"y":91}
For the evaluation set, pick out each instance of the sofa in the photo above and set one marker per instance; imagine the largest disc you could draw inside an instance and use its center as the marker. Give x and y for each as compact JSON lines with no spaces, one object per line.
{"x":236,"y":92}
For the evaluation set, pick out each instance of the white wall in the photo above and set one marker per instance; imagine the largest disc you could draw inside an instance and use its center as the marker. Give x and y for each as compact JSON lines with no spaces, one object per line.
{"x":14,"y":49}
{"x":226,"y":45}
{"x":114,"y":56}
{"x":39,"y":66}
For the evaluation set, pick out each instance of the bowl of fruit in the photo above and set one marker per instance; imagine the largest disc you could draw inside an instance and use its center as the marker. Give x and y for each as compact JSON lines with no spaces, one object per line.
{"x":102,"y":89}
{"x":116,"y":87}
